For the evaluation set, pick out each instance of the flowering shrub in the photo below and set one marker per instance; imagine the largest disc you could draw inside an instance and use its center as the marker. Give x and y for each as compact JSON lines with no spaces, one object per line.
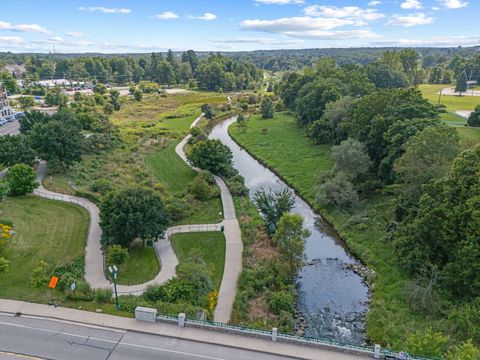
{"x":212,"y":300}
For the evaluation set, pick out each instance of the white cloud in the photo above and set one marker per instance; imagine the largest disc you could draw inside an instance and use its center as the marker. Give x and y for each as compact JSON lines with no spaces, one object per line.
{"x":207,"y":17}
{"x":23,"y":27}
{"x":411,"y":4}
{"x":346,"y":12}
{"x":454,"y":4}
{"x":411,"y":20}
{"x":11,"y":40}
{"x":374,"y":3}
{"x":56,"y":39}
{"x":74,"y":34}
{"x":280,"y":2}
{"x":167,"y":15}
{"x":105,"y":10}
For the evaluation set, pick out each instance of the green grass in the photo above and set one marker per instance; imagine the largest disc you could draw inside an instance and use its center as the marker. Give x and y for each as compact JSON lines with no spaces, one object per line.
{"x":141,"y":266}
{"x":453,"y":119}
{"x":285,"y":147}
{"x":469,"y":136}
{"x":453,"y":103}
{"x":170,"y":169}
{"x":206,"y":212}
{"x":210,"y":246}
{"x":46,"y":230}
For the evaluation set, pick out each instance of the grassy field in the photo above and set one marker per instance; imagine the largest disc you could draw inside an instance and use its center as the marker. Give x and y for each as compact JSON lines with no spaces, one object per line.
{"x":453,"y":103}
{"x":141,"y":266}
{"x":281,"y":145}
{"x":45,"y":230}
{"x":170,"y":169}
{"x":210,"y":246}
{"x":390,"y":318}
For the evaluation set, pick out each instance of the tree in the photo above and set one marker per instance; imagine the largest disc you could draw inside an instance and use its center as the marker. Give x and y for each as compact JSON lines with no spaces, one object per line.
{"x":272,"y":205}
{"x":59,"y":139}
{"x":30,"y":119}
{"x":16,"y":149}
{"x":474,"y":118}
{"x":427,"y":343}
{"x":115,"y":99}
{"x":320,"y":131}
{"x":428,"y":156}
{"x":56,"y":97}
{"x":208,"y":111}
{"x":100,"y":89}
{"x":338,"y":113}
{"x":385,"y":77}
{"x":267,"y":107}
{"x":211,"y":155}
{"x":290,"y":237}
{"x":26,"y":102}
{"x":131,"y":214}
{"x":466,"y":351}
{"x":461,"y":84}
{"x":337,"y":191}
{"x":21,"y":179}
{"x":351,"y":158}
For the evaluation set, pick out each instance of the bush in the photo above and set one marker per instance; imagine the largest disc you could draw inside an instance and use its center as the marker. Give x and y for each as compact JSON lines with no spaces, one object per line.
{"x":21,"y":179}
{"x":137,"y":95}
{"x":427,"y":343}
{"x":68,"y":273}
{"x":474,"y":119}
{"x":4,"y":189}
{"x":40,"y":274}
{"x":280,"y":301}
{"x":101,"y":186}
{"x":268,"y":108}
{"x":4,"y":264}
{"x":207,"y":176}
{"x":179,"y":208}
{"x":116,"y":255}
{"x":103,"y":295}
{"x":200,"y":189}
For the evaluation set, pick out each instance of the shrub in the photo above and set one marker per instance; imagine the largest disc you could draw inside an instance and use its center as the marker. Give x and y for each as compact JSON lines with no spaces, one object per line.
{"x":21,"y":179}
{"x":40,"y":274}
{"x":474,"y":119}
{"x":4,"y":264}
{"x":427,"y":343}
{"x":179,"y":208}
{"x":4,"y":189}
{"x":268,"y":108}
{"x":200,"y":189}
{"x":101,"y":186}
{"x":207,"y":176}
{"x":466,"y":351}
{"x":137,"y":95}
{"x":103,"y":295}
{"x":280,"y":301}
{"x":116,"y":255}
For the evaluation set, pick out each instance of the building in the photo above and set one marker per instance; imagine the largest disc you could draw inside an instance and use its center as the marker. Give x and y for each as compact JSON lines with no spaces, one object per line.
{"x":472,"y":84}
{"x":5,"y":109}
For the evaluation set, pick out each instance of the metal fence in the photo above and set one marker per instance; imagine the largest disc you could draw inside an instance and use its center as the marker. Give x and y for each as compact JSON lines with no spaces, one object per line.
{"x":290,"y":338}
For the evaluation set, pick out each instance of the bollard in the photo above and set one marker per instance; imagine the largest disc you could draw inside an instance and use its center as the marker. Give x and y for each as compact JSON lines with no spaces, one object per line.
{"x":181,"y":319}
{"x":378,"y":348}
{"x":274,"y":334}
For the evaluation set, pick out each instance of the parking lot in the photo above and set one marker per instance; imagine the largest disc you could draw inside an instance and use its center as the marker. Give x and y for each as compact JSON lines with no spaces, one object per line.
{"x":11,"y":128}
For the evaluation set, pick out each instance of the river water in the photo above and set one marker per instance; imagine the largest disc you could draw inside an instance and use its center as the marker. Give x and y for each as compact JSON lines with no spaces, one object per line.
{"x":332,"y":298}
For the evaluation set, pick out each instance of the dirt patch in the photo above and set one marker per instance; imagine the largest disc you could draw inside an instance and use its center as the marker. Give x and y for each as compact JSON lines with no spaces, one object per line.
{"x":259,"y":309}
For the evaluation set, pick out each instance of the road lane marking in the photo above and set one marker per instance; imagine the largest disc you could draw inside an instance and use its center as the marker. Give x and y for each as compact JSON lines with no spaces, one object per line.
{"x":112,"y":341}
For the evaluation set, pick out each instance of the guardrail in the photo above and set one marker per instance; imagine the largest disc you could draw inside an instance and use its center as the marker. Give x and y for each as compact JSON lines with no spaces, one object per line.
{"x":373,"y":351}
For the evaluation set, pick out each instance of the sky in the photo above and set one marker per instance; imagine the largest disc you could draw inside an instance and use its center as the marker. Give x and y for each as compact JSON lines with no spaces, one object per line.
{"x":122,"y":26}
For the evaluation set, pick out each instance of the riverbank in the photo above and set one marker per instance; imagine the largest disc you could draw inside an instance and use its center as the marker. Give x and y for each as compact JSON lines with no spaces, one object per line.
{"x":300,"y":163}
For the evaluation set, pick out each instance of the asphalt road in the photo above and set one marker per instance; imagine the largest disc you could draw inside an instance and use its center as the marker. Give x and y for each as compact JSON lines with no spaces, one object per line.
{"x":40,"y":338}
{"x":11,"y":128}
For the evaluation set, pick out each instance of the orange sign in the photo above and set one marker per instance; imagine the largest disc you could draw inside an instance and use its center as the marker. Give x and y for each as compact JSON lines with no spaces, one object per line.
{"x":53,"y":282}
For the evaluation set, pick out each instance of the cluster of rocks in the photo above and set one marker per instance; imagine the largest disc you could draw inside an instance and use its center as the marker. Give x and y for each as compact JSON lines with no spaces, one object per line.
{"x":300,"y":324}
{"x":364,"y":272}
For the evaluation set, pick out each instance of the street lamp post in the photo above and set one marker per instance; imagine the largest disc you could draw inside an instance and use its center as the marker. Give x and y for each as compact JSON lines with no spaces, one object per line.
{"x":113,"y":270}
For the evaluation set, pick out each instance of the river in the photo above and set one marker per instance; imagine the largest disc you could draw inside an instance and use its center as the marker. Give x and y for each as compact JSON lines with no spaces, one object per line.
{"x":332,"y":299}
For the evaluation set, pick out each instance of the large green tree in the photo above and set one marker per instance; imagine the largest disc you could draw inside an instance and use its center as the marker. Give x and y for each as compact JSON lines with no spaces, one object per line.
{"x":130,"y":214}
{"x":16,"y":149}
{"x":273,"y":205}
{"x":59,"y":139}
{"x":211,"y":155}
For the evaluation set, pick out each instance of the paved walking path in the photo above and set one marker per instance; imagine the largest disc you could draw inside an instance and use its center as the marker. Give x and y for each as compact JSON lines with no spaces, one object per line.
{"x":94,"y":259}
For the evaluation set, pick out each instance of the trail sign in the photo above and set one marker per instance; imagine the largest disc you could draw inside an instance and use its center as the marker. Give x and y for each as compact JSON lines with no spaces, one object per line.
{"x":53,"y":282}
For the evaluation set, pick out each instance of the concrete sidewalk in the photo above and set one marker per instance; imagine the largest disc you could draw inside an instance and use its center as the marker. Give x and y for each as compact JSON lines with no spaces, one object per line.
{"x":188,"y":333}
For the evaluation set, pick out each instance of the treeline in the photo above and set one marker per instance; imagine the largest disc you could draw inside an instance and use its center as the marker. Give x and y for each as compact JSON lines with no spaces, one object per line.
{"x":214,"y":72}
{"x":389,"y":141}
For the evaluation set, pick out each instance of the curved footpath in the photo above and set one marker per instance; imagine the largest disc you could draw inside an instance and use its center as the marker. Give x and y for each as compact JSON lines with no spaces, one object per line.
{"x":94,"y":259}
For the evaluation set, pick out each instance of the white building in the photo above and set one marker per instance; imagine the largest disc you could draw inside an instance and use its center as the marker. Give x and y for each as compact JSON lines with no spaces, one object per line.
{"x":5,"y":109}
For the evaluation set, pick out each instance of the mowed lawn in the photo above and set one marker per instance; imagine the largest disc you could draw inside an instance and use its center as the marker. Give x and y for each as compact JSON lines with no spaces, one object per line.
{"x":46,"y":230}
{"x":283,"y":146}
{"x":210,"y":246}
{"x":170,"y":169}
{"x":453,"y":103}
{"x":141,"y":266}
